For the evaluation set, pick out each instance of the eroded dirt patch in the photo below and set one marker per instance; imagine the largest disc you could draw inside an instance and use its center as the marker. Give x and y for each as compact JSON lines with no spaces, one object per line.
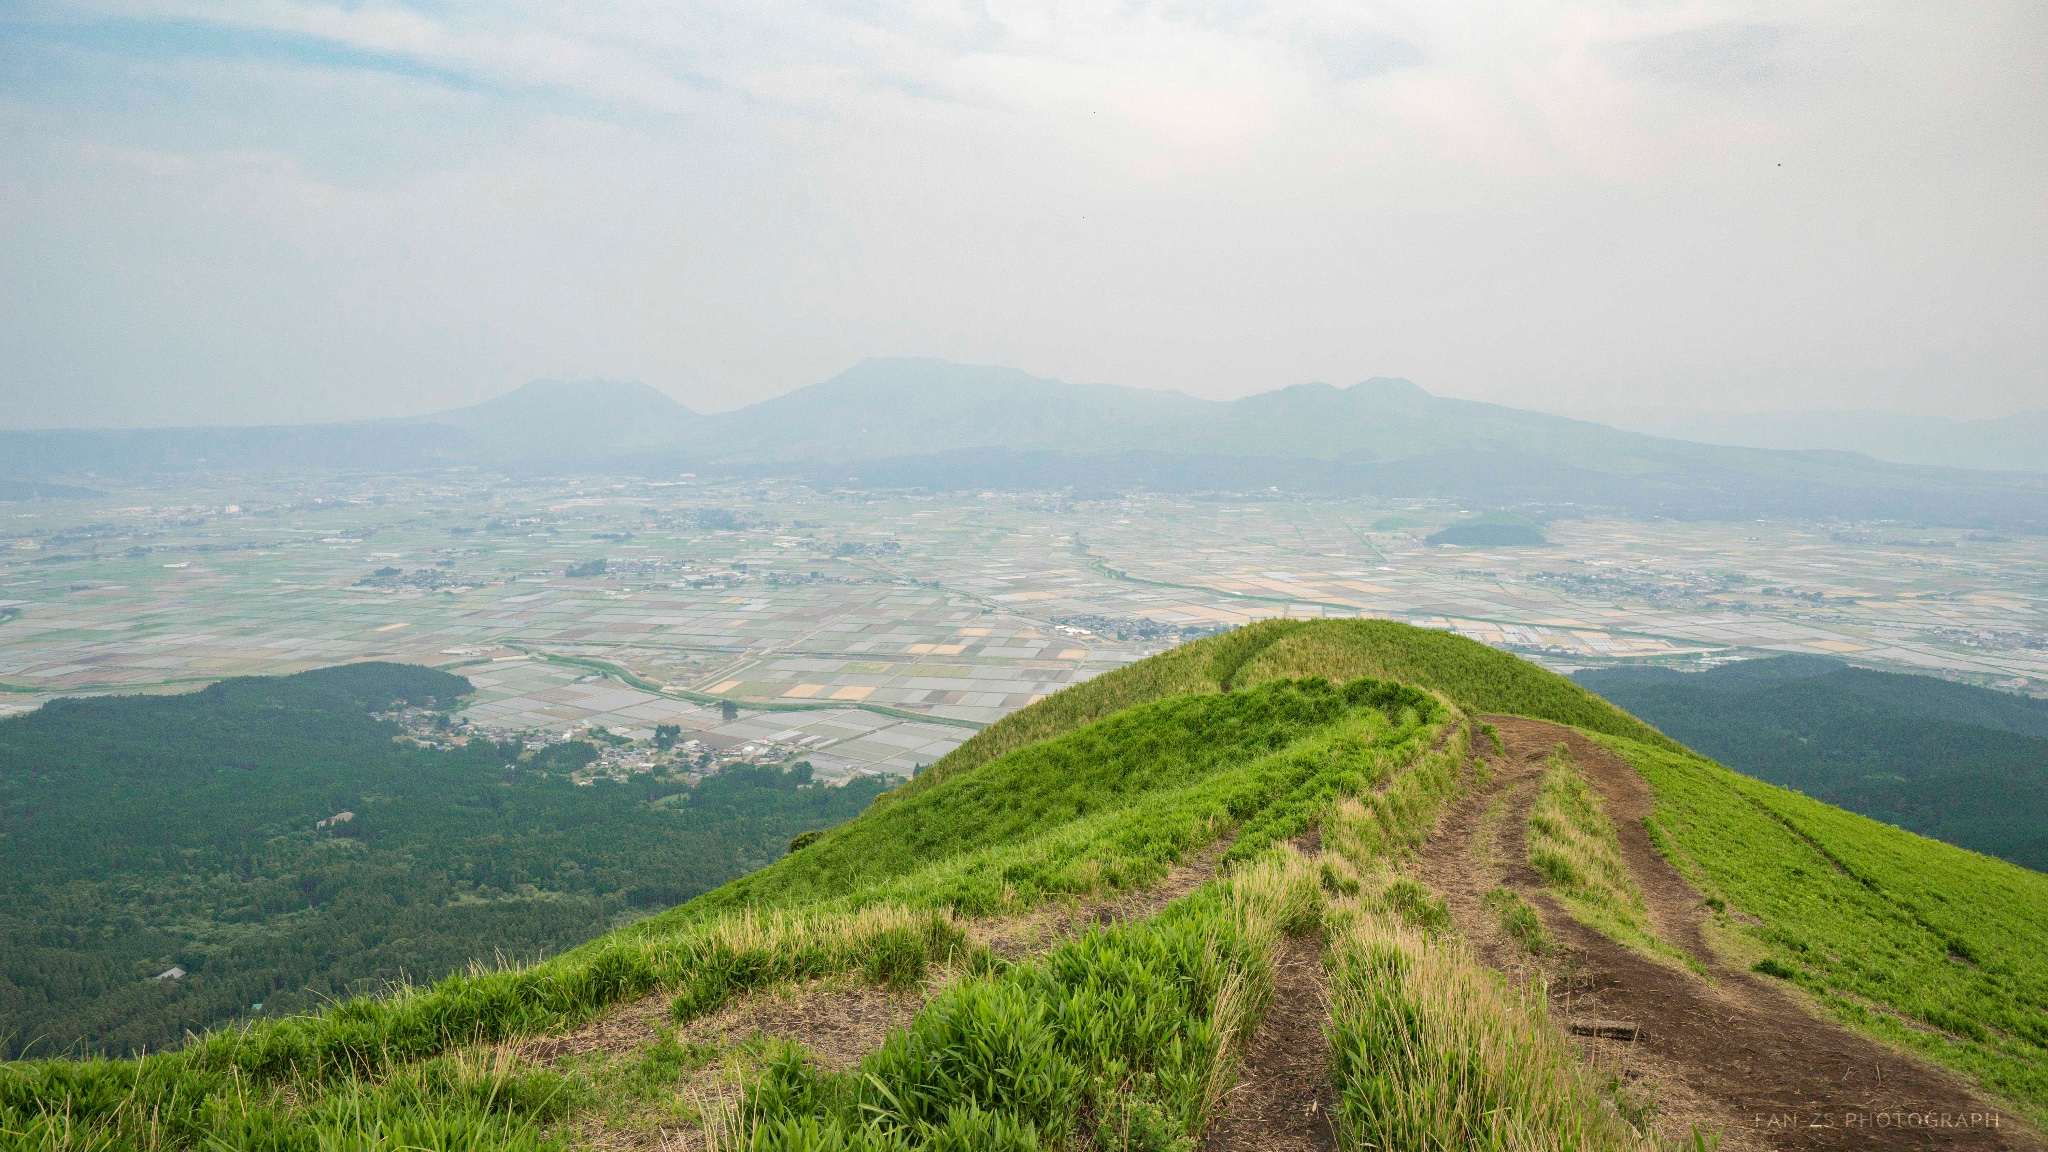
{"x":837,"y":1024}
{"x":837,"y":1021}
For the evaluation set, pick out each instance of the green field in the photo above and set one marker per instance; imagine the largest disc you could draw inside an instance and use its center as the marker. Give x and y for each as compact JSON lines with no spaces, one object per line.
{"x":1128,"y":1035}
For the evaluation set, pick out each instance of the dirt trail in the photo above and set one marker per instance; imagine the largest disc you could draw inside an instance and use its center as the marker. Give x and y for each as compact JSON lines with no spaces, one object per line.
{"x":1282,"y":1100}
{"x":1737,"y":1053}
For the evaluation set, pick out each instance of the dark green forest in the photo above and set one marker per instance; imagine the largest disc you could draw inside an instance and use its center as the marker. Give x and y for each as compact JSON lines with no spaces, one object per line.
{"x":1961,"y":764}
{"x":142,"y":832}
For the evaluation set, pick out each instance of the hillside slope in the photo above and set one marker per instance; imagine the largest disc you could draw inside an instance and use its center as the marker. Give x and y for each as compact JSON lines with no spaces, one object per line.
{"x":2018,"y":442}
{"x":1965,"y":765}
{"x":1190,"y":902}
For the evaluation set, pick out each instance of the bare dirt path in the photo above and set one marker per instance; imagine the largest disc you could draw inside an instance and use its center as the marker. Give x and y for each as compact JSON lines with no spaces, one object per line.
{"x":1282,"y":1098}
{"x":1738,"y":1053}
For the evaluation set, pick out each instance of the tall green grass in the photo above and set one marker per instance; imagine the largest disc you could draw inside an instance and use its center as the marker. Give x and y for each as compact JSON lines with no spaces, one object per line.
{"x":1429,"y":1049}
{"x":1116,"y":802}
{"x":1432,"y":1051}
{"x":1924,"y":945}
{"x":1575,"y":847}
{"x":185,"y":1096}
{"x":1122,"y":1039}
{"x":472,"y":1100}
{"x":1387,"y":823}
{"x":1477,"y":678}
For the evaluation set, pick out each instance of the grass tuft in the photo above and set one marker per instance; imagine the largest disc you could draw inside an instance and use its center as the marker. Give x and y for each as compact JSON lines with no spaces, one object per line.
{"x":1520,"y":921}
{"x":1433,"y":1051}
{"x":1574,"y":845}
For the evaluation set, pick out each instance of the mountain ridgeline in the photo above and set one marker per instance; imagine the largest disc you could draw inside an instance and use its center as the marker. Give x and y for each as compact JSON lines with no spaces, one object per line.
{"x":1249,"y":887}
{"x":936,"y":425}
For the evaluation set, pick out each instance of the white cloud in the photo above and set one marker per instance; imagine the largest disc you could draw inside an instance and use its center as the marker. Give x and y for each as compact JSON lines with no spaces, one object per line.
{"x":381,"y":206}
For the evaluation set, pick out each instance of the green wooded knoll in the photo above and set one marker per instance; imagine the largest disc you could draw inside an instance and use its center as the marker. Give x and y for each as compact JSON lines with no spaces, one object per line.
{"x":143,"y":832}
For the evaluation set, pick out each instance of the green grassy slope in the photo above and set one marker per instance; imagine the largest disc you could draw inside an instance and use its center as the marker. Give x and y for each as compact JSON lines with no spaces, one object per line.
{"x":1154,"y":779}
{"x":1928,"y":946}
{"x":1477,"y":678}
{"x":1203,"y":666}
{"x":1965,"y":765}
{"x":1126,"y":1035}
{"x":1103,"y":806}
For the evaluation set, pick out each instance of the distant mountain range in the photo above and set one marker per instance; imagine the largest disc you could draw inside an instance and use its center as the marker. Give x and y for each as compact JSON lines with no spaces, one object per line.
{"x":938,"y":425}
{"x":2016,"y":443}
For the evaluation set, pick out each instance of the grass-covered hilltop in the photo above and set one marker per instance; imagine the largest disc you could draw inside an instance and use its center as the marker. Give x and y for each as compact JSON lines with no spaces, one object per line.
{"x":1301,"y":885}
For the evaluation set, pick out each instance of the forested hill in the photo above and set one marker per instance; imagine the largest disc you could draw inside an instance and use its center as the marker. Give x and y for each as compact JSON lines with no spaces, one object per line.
{"x":1957,"y":763}
{"x":142,"y":832}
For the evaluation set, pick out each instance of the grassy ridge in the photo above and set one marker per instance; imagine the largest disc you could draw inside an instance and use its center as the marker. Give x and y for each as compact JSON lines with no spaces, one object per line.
{"x":1125,"y":1037}
{"x":1927,"y":946}
{"x":1203,"y":666}
{"x":1477,"y":678}
{"x":1122,"y":1040}
{"x":1141,"y":755}
{"x":1264,"y":759}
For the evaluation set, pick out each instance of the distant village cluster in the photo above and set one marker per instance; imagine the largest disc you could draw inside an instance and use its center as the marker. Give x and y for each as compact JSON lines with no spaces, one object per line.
{"x":586,"y":752}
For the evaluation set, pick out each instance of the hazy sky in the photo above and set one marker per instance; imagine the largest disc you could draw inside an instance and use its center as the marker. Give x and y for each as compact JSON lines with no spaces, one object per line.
{"x":244,"y":210}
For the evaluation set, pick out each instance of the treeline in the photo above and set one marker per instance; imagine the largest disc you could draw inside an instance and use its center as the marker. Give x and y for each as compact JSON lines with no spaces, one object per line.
{"x":140,"y":833}
{"x":1960,"y":764}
